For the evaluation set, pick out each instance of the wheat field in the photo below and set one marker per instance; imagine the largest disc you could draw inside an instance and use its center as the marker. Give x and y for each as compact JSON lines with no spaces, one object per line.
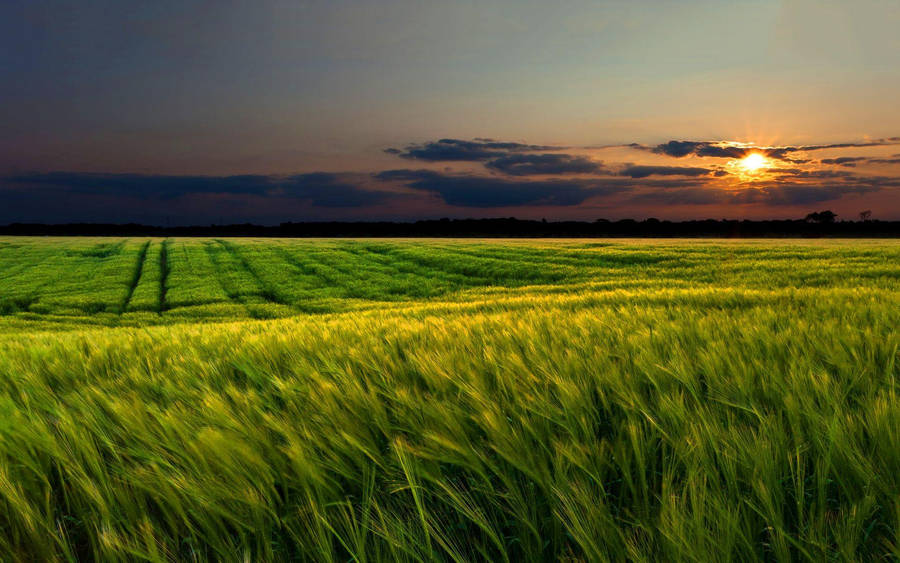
{"x":449,"y":400}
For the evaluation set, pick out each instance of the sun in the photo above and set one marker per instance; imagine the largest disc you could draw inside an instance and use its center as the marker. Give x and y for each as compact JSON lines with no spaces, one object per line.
{"x":754,"y":162}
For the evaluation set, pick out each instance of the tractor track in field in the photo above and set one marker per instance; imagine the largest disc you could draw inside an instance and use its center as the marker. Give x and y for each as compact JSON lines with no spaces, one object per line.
{"x":230,"y":292}
{"x":265,"y":289}
{"x":316,"y":268}
{"x":163,"y":276}
{"x":383,"y":258}
{"x":135,"y":277}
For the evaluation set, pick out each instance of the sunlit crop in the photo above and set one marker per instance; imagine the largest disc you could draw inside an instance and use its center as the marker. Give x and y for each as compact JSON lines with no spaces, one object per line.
{"x":377,"y":400}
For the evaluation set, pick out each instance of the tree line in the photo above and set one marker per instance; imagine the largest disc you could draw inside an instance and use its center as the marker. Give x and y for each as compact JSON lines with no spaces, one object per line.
{"x":818,"y":224}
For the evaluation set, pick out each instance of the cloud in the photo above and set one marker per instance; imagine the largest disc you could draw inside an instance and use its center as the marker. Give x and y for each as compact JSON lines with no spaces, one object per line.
{"x":679,"y":149}
{"x":727,"y":149}
{"x":479,"y":191}
{"x":644,"y":171}
{"x":849,"y":161}
{"x":513,"y":175}
{"x":797,"y":195}
{"x":783,"y":152}
{"x":878,"y":182}
{"x":848,"y":181}
{"x":457,"y":150}
{"x":328,"y":190}
{"x":779,"y":195}
{"x":319,"y":188}
{"x":535,"y":164}
{"x":683,"y":196}
{"x":797,"y":173}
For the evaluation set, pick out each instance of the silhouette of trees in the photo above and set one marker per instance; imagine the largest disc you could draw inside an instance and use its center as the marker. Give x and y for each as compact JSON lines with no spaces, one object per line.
{"x":826,"y":216}
{"x":865,"y":215}
{"x":818,"y":224}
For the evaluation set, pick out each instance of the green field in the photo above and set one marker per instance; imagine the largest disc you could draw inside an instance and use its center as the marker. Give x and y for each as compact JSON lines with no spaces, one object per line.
{"x":385,"y":400}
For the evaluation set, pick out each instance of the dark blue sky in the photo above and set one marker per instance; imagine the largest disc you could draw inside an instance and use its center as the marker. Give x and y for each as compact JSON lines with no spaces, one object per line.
{"x":275,"y":110}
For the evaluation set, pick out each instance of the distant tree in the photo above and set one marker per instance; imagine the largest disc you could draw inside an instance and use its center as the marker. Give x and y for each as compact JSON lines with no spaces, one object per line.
{"x":865,"y":215}
{"x":826,"y":216}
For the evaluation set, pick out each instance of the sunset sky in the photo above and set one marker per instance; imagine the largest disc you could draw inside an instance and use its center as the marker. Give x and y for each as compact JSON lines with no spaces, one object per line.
{"x":266,"y":111}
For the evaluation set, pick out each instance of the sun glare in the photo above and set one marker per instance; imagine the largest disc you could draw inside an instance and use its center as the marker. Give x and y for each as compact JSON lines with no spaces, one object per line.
{"x":754,"y":162}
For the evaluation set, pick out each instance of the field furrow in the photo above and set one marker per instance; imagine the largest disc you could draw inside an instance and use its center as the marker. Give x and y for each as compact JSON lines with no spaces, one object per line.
{"x":266,"y":290}
{"x":163,"y":275}
{"x":136,"y":277}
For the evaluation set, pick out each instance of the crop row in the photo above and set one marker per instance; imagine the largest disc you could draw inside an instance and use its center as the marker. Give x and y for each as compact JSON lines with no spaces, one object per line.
{"x":140,"y":281}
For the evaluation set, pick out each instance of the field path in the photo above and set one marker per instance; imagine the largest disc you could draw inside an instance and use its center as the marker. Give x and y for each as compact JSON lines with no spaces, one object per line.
{"x":163,"y":274}
{"x":136,"y":278}
{"x":265,"y":289}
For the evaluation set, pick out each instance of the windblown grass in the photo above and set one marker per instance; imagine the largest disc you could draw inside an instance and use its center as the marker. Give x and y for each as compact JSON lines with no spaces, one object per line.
{"x":525,"y":401}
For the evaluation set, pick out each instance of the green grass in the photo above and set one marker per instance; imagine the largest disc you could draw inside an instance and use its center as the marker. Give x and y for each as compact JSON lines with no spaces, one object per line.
{"x":381,"y":400}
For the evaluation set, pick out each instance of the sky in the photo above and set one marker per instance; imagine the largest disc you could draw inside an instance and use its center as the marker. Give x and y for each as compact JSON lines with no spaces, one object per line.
{"x":264,"y":111}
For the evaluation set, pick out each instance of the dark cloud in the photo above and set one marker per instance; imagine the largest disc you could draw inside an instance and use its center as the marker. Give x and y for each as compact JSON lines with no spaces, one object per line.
{"x":797,"y":195}
{"x":875,"y":181}
{"x":139,"y":185}
{"x":784,"y":152}
{"x":536,"y":164}
{"x":673,"y":148}
{"x":644,"y":171}
{"x":779,"y":195}
{"x":478,"y":191}
{"x":683,"y":196}
{"x":849,"y":161}
{"x":785,"y":171}
{"x":532,"y":175}
{"x":789,"y":174}
{"x":724,"y":149}
{"x":458,"y":150}
{"x":319,"y":188}
{"x":406,"y":174}
{"x":679,"y":149}
{"x":878,"y":143}
{"x":328,"y":190}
